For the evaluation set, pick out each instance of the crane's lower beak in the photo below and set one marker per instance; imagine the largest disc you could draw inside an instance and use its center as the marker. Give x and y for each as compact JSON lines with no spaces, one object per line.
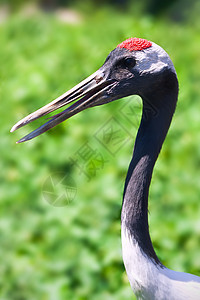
{"x":90,"y":92}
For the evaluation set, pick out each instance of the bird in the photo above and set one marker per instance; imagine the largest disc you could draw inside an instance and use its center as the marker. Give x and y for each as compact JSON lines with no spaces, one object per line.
{"x":135,"y":67}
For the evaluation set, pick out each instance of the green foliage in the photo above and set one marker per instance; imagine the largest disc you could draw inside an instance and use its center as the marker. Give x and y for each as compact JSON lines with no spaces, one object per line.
{"x":73,"y":251}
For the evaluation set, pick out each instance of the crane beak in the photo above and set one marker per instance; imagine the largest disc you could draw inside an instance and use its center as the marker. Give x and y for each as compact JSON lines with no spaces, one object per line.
{"x":90,"y":92}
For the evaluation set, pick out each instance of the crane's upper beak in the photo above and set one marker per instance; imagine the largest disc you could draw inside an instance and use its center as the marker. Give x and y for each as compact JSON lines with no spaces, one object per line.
{"x":92,"y":91}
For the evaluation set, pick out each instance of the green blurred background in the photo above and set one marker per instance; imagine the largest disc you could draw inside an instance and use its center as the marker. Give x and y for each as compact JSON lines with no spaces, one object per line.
{"x":61,"y":193}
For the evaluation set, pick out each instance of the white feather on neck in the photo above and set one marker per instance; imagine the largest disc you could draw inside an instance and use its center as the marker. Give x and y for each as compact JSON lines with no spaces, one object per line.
{"x":150,"y":281}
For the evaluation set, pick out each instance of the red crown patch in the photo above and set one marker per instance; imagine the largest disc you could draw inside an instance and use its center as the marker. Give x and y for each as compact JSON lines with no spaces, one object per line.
{"x":135,"y":44}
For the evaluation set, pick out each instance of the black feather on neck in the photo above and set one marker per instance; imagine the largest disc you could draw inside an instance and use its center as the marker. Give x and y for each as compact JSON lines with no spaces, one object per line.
{"x":158,"y":109}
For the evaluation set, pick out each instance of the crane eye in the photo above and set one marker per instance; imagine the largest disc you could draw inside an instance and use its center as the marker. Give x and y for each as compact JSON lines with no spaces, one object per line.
{"x":129,"y":62}
{"x":125,"y":63}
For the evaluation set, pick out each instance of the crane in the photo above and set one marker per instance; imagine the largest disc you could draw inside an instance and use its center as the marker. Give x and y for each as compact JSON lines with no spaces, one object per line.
{"x":135,"y":67}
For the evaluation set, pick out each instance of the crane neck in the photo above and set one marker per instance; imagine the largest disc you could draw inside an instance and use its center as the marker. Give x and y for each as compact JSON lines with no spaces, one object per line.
{"x":158,"y":109}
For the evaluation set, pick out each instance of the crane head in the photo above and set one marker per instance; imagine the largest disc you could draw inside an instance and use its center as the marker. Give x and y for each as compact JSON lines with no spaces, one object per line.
{"x":134,"y":67}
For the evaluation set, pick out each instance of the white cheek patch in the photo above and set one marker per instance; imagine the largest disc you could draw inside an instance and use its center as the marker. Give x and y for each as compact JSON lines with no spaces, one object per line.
{"x":156,"y":67}
{"x":152,"y":60}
